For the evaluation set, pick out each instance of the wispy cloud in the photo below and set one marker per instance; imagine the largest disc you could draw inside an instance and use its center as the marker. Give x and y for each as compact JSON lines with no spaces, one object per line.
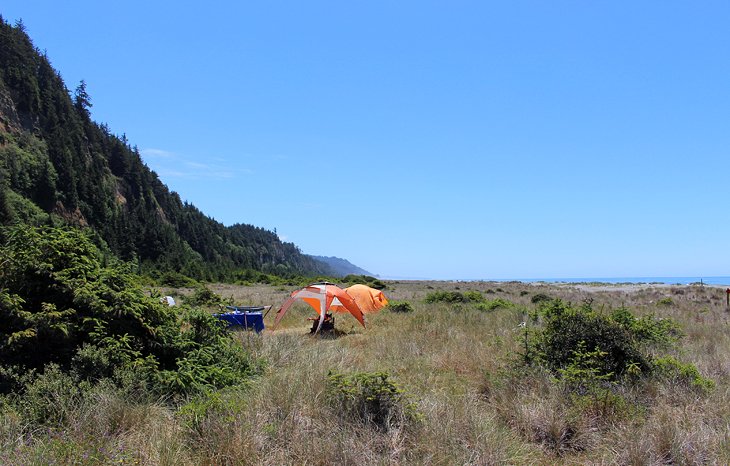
{"x":164,"y":154}
{"x":172,"y":165}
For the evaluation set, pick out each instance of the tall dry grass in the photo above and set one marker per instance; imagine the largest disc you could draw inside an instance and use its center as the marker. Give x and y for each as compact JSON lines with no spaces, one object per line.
{"x":458,"y":365}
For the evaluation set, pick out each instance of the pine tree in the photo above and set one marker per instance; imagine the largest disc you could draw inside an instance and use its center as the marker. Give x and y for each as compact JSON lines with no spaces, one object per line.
{"x":82,"y":101}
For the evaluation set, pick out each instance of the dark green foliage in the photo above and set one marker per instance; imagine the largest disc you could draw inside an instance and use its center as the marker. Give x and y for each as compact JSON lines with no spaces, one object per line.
{"x":176,"y":280}
{"x":452,"y":297}
{"x":204,"y":296}
{"x":682,"y":373}
{"x":207,"y":358}
{"x":52,"y":396}
{"x":566,"y":328}
{"x":5,"y":213}
{"x":372,"y":282}
{"x":445,"y":297}
{"x":589,"y":389}
{"x":648,"y":329}
{"x":495,"y":304}
{"x":371,"y":398}
{"x":400,"y":306}
{"x":209,"y":406}
{"x":540,"y":298}
{"x":584,"y":372}
{"x":473,"y":296}
{"x":571,"y":339}
{"x":59,"y":305}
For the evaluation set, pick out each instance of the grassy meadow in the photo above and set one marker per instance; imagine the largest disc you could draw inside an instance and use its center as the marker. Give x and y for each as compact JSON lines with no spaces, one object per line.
{"x":463,"y":395}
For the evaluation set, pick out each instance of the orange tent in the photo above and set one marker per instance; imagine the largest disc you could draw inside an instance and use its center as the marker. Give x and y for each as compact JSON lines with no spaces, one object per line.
{"x":368,"y":299}
{"x":323,"y":297}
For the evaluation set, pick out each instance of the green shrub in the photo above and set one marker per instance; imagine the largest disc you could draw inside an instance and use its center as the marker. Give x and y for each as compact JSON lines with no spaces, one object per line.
{"x":495,"y":304}
{"x":584,"y":371}
{"x":56,"y":296}
{"x":566,"y":328}
{"x":209,"y":407}
{"x":665,"y":302}
{"x":372,"y":282}
{"x":570,"y":338}
{"x":589,"y":389}
{"x":452,"y":297}
{"x":473,"y":296}
{"x":370,"y":398}
{"x":648,"y":329}
{"x":540,"y":298}
{"x":176,"y":280}
{"x":683,"y":373}
{"x":445,"y":297}
{"x":60,"y":305}
{"x":52,"y":397}
{"x":400,"y":306}
{"x":204,"y":296}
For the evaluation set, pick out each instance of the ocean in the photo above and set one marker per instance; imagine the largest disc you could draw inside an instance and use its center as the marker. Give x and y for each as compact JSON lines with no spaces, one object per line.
{"x":666,"y":280}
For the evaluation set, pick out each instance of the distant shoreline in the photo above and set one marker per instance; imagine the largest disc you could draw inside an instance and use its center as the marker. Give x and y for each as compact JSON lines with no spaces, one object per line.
{"x":602,"y":281}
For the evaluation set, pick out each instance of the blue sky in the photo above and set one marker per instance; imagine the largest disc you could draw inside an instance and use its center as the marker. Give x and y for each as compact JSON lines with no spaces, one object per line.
{"x":445,"y":140}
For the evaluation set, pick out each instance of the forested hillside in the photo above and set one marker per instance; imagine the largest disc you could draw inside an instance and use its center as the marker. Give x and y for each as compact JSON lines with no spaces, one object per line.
{"x":342,"y":267}
{"x":59,"y":166}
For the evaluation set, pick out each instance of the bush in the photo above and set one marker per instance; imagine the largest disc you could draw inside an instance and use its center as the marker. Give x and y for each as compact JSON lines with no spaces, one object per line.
{"x":400,"y":306}
{"x":176,"y":280}
{"x":52,"y":396}
{"x":204,"y":296}
{"x":566,"y":329}
{"x":370,"y":398}
{"x":495,"y":304}
{"x":606,"y":347}
{"x":683,"y":373}
{"x":372,"y":282}
{"x":59,"y":305}
{"x":208,"y":407}
{"x":57,"y":296}
{"x":540,"y":298}
{"x":445,"y":297}
{"x":648,"y":329}
{"x":473,"y":296}
{"x":665,"y":302}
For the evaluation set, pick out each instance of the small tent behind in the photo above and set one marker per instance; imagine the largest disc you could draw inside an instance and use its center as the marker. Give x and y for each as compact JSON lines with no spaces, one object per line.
{"x":369,"y":300}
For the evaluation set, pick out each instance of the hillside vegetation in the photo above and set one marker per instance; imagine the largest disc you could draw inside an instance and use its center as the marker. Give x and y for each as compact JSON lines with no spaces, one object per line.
{"x":59,"y":166}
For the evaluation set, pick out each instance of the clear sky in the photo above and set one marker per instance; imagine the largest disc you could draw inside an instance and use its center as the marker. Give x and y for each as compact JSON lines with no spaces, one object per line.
{"x":422,"y":139}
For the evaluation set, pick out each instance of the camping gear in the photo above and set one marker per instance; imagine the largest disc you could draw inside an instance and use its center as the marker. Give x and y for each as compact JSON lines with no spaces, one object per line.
{"x":369,"y":300}
{"x":248,"y":317}
{"x":323,"y":297}
{"x":169,"y":300}
{"x":328,"y":325}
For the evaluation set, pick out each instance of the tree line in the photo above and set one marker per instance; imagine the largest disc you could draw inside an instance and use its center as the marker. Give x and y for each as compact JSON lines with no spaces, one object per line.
{"x":57,"y":166}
